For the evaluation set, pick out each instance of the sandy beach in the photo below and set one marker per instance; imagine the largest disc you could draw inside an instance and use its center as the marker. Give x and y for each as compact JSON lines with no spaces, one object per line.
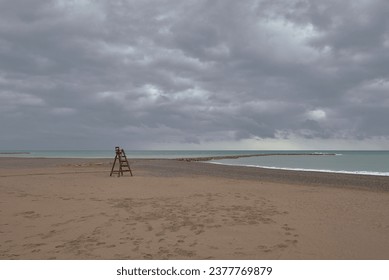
{"x":171,"y":209}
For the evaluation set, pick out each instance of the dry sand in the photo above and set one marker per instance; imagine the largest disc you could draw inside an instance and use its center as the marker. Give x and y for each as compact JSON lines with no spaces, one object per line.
{"x":72,"y":209}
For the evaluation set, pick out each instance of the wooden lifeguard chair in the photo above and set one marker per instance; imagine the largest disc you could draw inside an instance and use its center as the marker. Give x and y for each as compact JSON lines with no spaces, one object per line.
{"x":121,"y":158}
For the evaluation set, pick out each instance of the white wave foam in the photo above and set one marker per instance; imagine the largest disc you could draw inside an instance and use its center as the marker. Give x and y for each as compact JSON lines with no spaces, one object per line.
{"x":371,"y":173}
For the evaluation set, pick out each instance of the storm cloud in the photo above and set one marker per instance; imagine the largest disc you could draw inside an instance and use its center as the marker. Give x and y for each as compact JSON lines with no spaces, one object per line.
{"x":150,"y":74}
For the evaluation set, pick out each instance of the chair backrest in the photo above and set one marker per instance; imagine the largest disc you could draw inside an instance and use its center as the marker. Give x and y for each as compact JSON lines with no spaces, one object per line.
{"x":117,"y":150}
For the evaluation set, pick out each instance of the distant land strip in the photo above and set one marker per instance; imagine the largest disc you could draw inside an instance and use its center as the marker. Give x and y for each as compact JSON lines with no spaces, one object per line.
{"x":253,"y":155}
{"x":14,"y":153}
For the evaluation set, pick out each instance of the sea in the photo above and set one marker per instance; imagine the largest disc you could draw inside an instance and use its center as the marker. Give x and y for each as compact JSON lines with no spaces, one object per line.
{"x":353,"y":162}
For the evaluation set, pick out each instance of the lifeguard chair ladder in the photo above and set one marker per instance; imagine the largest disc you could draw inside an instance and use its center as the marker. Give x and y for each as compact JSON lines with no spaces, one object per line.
{"x":121,"y":158}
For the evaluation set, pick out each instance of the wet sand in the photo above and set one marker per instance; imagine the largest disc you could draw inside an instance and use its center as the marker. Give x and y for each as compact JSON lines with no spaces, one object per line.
{"x":170,"y":209}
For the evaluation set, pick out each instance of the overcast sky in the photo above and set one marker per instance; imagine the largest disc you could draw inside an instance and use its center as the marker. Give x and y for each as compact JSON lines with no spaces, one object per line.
{"x":194,"y":74}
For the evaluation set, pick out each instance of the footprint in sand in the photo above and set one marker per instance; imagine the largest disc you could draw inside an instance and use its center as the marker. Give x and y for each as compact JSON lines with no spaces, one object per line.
{"x":281,"y":246}
{"x":135,"y":249}
{"x":289,"y":231}
{"x":184,"y":253}
{"x":287,"y":228}
{"x":294,"y":241}
{"x":29,"y":214}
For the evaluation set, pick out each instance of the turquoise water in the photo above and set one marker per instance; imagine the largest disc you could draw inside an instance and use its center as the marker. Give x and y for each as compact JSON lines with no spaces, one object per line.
{"x":356,"y":162}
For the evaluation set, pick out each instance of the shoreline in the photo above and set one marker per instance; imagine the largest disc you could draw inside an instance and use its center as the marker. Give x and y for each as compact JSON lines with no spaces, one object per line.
{"x":364,"y":173}
{"x":9,"y":156}
{"x":175,"y":167}
{"x":208,"y":159}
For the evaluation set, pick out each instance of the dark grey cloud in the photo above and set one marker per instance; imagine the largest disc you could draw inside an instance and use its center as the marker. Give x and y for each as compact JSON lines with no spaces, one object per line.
{"x":154,"y":74}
